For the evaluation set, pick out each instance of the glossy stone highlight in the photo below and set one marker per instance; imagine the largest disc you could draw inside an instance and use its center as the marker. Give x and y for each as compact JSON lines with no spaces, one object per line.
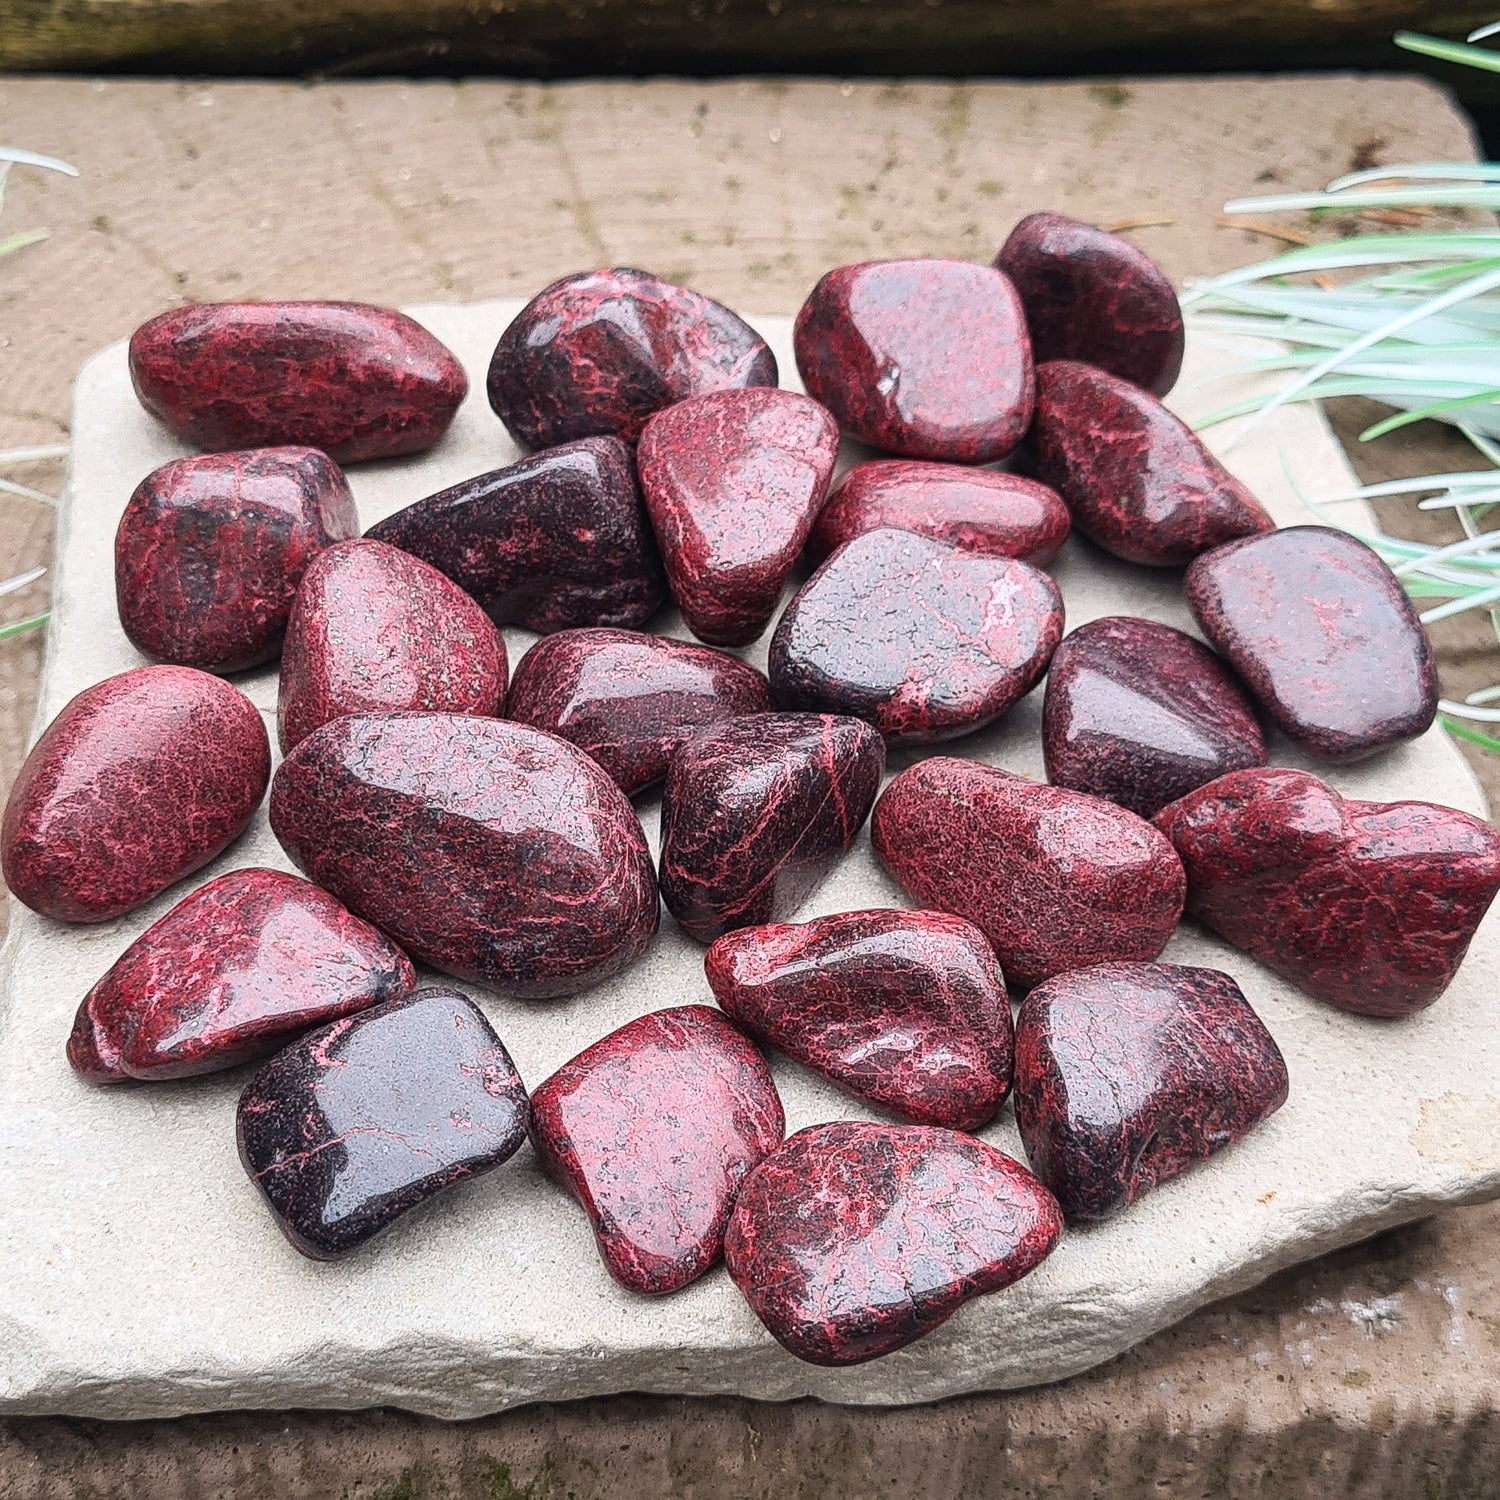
{"x":1139,"y":713}
{"x":757,"y":812}
{"x":597,"y":353}
{"x":732,"y":482}
{"x":356,"y":381}
{"x":630,"y":700}
{"x":559,"y":540}
{"x":362,"y":1120}
{"x":484,"y":848}
{"x":1090,"y":295}
{"x":140,"y":780}
{"x":1136,"y":478}
{"x":652,"y":1130}
{"x":904,"y":1008}
{"x":1054,"y":879}
{"x":924,"y":641}
{"x":1323,"y":635}
{"x":210,"y":551}
{"x":229,"y":974}
{"x":374,"y":628}
{"x":1129,"y":1074}
{"x":1368,"y":905}
{"x":924,"y":358}
{"x":854,"y":1240}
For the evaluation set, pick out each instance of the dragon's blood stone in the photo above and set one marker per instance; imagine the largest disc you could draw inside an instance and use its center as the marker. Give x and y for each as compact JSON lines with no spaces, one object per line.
{"x":365,"y":1118}
{"x":229,"y":974}
{"x":925,"y":358}
{"x":924,"y":641}
{"x":374,"y":628}
{"x":1054,"y":879}
{"x":485,"y":848}
{"x":629,"y":700}
{"x":853,"y":1239}
{"x":1091,"y":296}
{"x":211,"y":549}
{"x":1135,"y":477}
{"x":140,"y":780}
{"x":1324,"y":636}
{"x":979,"y":510}
{"x":652,"y":1130}
{"x":905,"y":1008}
{"x":1129,"y":1074}
{"x":733,"y":481}
{"x":756,"y":813}
{"x":1368,"y":905}
{"x":559,"y":540}
{"x":356,"y":381}
{"x":595,"y":354}
{"x":1139,"y":713}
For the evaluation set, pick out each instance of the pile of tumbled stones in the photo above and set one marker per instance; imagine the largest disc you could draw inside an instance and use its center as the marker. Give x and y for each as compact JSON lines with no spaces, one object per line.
{"x":489,"y":834}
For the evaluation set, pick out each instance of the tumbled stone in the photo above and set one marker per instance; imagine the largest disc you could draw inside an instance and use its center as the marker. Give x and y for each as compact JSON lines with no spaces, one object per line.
{"x":229,"y":974}
{"x":733,"y":481}
{"x":487,"y":849}
{"x":630,"y":700}
{"x":1368,"y":905}
{"x":1054,"y":879}
{"x":854,"y":1240}
{"x":924,"y":641}
{"x":597,"y":353}
{"x":1129,"y":1074}
{"x":904,"y":1008}
{"x":559,"y":540}
{"x":362,"y":1120}
{"x":977,"y":510}
{"x":756,"y":813}
{"x":925,"y":358}
{"x":211,"y":549}
{"x":652,"y":1130}
{"x":1324,"y":636}
{"x":1136,"y":478}
{"x":1139,"y":713}
{"x":140,"y":780}
{"x":1092,"y":296}
{"x":356,"y":381}
{"x":374,"y":628}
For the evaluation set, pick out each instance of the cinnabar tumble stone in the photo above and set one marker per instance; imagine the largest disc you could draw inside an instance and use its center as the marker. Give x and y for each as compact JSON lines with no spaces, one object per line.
{"x":559,"y":540}
{"x":1054,"y":879}
{"x":229,"y":974}
{"x":1139,"y":713}
{"x":140,"y":780}
{"x":1092,"y":296}
{"x":629,"y":700}
{"x":362,"y":1120}
{"x":597,"y":353}
{"x":1370,"y":906}
{"x":756,"y":813}
{"x":1324,"y":636}
{"x":485,"y":848}
{"x":904,"y":1008}
{"x":1136,"y":478}
{"x":925,"y":358}
{"x":356,"y":381}
{"x":854,"y":1240}
{"x":210,"y":550}
{"x":732,"y":482}
{"x":652,"y":1130}
{"x":374,"y":628}
{"x":1129,"y":1074}
{"x":924,"y":641}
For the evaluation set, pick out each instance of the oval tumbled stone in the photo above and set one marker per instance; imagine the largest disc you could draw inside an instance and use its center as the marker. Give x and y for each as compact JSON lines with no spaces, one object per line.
{"x":487,"y":849}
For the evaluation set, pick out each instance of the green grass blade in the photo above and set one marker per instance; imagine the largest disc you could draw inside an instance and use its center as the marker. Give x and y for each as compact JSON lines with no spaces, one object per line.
{"x":1460,"y":730}
{"x":22,"y":626}
{"x":1453,"y":52}
{"x":22,"y":240}
{"x":1405,"y":418}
